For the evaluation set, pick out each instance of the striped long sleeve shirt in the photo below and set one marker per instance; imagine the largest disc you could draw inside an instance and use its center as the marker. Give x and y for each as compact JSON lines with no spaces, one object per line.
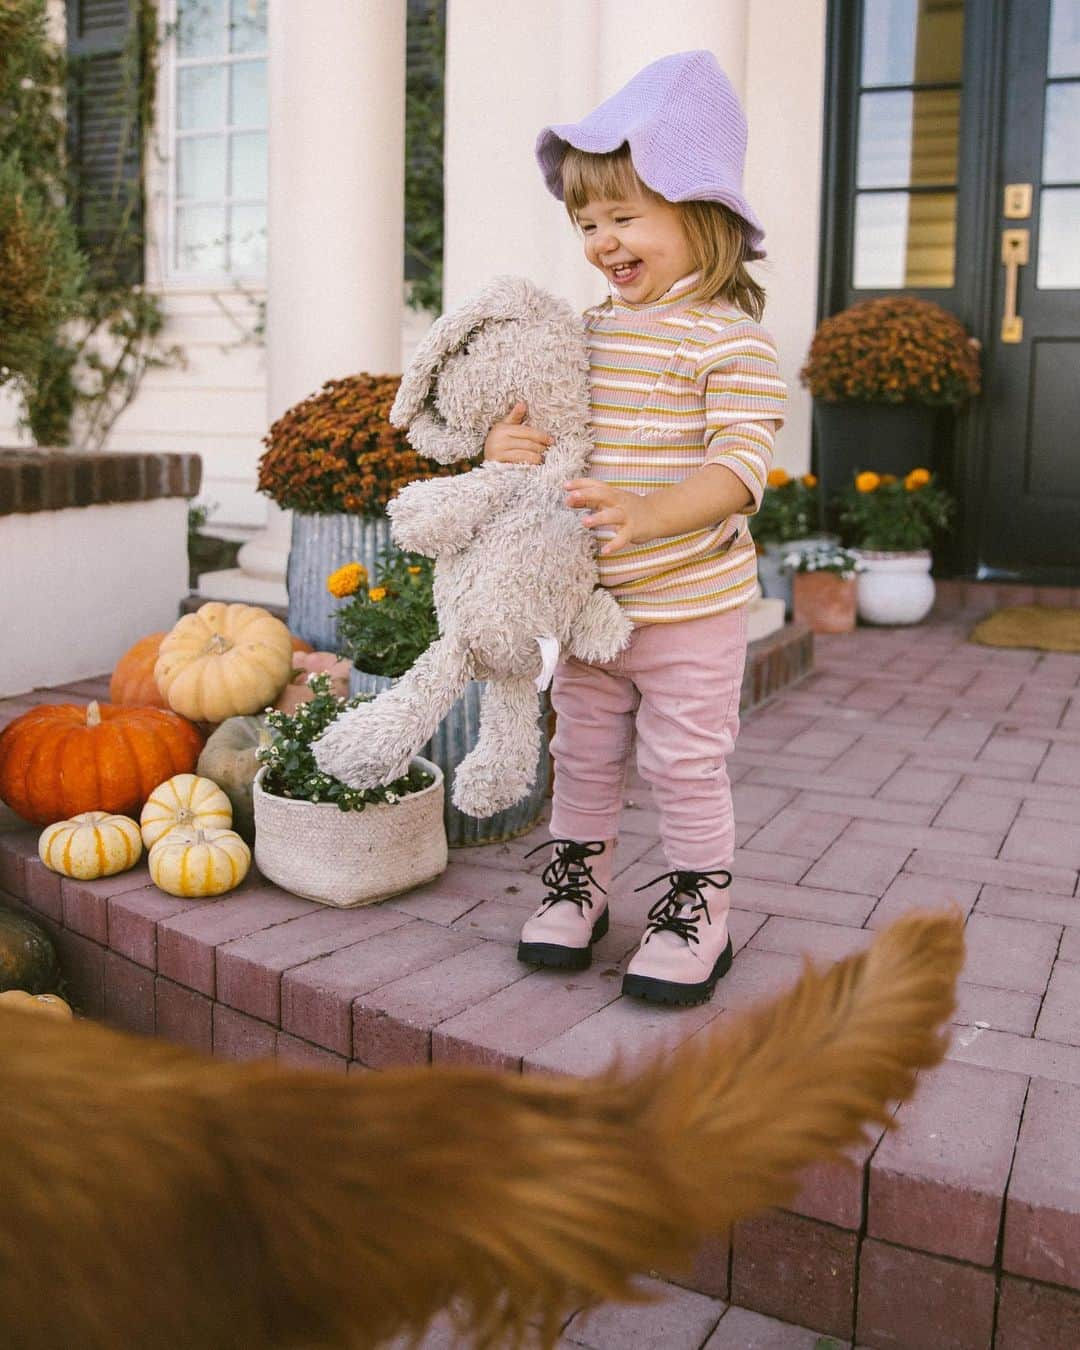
{"x":675,"y":385}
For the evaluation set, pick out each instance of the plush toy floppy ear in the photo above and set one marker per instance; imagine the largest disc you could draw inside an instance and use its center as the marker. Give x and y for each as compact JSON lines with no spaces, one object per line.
{"x":414,"y":407}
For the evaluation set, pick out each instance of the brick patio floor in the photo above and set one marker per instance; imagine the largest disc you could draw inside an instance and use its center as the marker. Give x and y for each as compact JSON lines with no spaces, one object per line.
{"x":911,"y":768}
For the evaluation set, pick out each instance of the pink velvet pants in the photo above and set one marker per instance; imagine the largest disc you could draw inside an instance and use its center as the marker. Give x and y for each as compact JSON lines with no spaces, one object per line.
{"x":679,"y":685}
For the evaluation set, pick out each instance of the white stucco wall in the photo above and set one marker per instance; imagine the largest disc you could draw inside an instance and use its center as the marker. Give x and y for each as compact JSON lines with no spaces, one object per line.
{"x":81,"y":585}
{"x":554,"y":62}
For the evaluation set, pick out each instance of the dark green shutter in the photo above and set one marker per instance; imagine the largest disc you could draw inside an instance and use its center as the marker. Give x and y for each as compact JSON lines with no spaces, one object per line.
{"x":424,"y":65}
{"x":105,"y":136}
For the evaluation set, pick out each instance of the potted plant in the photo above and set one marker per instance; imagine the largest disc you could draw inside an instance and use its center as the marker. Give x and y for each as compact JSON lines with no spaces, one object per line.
{"x":335,"y":461}
{"x":880,"y":372}
{"x":823,"y":590}
{"x":891,"y":522}
{"x":787,"y":520}
{"x":339,"y":845}
{"x":383,"y":625}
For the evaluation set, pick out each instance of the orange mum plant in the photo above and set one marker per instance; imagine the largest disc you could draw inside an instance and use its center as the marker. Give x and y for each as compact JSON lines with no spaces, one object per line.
{"x":336,"y":451}
{"x":894,"y":350}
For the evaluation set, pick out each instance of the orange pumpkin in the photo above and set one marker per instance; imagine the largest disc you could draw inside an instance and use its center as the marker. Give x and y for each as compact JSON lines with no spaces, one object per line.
{"x":133,"y":679}
{"x":59,"y":760}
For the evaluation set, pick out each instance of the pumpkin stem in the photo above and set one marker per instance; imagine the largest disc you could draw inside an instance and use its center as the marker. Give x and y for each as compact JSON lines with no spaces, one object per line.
{"x":93,"y":714}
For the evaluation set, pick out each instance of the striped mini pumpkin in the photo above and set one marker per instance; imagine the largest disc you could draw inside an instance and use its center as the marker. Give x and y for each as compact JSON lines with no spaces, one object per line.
{"x":184,"y":801}
{"x":93,"y":844}
{"x":197,"y":864}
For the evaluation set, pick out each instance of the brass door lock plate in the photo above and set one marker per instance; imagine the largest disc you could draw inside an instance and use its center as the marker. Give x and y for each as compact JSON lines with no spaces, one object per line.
{"x":1017,"y":201}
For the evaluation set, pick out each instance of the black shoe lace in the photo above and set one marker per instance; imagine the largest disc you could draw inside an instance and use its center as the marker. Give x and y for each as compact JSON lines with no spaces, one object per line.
{"x":685,"y":888}
{"x":568,"y":876}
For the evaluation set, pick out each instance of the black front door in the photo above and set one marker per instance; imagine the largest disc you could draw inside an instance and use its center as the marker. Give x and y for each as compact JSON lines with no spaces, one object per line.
{"x":1029,"y":524}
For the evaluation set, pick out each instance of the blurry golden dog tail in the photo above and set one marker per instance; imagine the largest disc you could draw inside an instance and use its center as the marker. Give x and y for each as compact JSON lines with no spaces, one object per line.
{"x":356,"y":1209}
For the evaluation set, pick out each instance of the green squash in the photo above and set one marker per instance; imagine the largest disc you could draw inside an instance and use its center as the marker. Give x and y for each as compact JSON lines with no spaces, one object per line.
{"x":27,"y":955}
{"x":228,"y":759}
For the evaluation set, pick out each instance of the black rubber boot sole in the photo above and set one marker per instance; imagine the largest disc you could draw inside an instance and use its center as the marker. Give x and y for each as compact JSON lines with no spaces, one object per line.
{"x":671,"y":992}
{"x":550,"y":954}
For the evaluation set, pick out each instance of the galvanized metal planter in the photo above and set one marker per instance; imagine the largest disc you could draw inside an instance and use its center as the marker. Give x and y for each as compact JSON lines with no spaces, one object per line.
{"x":320,"y":545}
{"x":455,"y":737}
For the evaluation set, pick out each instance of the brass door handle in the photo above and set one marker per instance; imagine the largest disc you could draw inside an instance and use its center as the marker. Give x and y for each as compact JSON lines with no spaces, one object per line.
{"x":1014,"y":254}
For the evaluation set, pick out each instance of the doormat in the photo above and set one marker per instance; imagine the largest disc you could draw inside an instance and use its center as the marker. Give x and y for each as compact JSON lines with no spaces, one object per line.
{"x":1050,"y":630}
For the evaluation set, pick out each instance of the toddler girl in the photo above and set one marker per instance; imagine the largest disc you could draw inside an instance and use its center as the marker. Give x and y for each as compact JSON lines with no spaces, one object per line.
{"x":685,"y":398}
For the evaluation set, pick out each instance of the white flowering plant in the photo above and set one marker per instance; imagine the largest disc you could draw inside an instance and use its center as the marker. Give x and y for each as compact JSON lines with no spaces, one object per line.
{"x":838,"y":560}
{"x":291,"y":770}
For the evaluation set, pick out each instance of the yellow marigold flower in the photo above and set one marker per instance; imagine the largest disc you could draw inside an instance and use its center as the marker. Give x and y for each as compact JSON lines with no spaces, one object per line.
{"x":414,"y":571}
{"x":376,"y":594}
{"x":917,"y":478}
{"x":778,"y":478}
{"x":346,"y":580}
{"x":809,"y":480}
{"x":867,"y":482}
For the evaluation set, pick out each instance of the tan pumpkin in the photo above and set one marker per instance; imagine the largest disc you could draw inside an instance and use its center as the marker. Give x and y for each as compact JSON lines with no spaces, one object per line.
{"x":197,"y":864}
{"x":92,"y":844}
{"x":224,"y":661}
{"x":49,"y":1005}
{"x":184,"y":801}
{"x":133,"y":679}
{"x":228,"y":759}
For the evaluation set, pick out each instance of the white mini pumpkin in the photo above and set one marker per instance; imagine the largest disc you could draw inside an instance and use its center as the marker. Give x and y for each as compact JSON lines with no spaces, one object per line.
{"x":93,"y":844}
{"x":184,"y":801}
{"x":197,"y":864}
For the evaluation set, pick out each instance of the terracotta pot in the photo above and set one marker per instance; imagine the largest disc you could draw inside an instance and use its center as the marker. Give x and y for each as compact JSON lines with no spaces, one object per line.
{"x":824,"y":601}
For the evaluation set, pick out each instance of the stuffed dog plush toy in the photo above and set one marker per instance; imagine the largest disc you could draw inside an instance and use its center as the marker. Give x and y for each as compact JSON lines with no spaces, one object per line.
{"x":152,"y":1198}
{"x":515,"y":572}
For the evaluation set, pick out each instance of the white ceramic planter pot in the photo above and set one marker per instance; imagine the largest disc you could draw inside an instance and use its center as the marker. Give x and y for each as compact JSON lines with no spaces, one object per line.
{"x":347,"y":858}
{"x":895,"y":588}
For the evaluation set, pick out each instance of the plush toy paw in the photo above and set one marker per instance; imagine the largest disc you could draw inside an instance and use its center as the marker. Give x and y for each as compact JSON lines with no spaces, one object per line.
{"x":352,"y":750}
{"x":601,"y":630}
{"x":481,"y":788}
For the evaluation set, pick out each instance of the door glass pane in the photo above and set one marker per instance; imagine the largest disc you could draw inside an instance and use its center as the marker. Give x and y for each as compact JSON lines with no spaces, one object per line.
{"x":247,"y":25}
{"x":201,"y":27}
{"x":200,"y":238}
{"x":247,"y":240}
{"x":912,"y":41}
{"x":1064,"y":38}
{"x":1061,"y":135}
{"x":904,"y":240}
{"x":248,"y":94}
{"x":908,"y":138}
{"x":1059,"y":229}
{"x":248,"y":166}
{"x":200,"y":166}
{"x":200,"y":97}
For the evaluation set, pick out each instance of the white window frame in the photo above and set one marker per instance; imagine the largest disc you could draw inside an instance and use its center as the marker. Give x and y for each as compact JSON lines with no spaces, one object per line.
{"x":174,"y":278}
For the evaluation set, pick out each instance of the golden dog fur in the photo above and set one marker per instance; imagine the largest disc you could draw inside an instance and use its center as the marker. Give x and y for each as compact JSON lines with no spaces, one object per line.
{"x":156,"y":1200}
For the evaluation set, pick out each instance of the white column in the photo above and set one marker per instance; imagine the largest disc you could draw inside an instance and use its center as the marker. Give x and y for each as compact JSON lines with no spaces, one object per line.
{"x":335,"y":222}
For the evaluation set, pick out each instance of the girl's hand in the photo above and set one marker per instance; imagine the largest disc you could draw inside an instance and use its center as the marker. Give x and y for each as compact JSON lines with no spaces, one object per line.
{"x":512,"y":442}
{"x":632,"y":516}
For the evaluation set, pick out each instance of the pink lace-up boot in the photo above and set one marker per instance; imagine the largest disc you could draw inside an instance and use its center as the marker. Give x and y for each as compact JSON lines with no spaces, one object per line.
{"x":684,"y":951}
{"x":574,"y":913}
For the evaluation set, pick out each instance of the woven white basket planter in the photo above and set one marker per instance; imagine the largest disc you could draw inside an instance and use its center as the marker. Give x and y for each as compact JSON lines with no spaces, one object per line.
{"x":347,"y":858}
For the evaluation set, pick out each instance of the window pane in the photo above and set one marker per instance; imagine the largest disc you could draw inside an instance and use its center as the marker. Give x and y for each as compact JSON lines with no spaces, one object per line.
{"x":1059,"y":229}
{"x":200,"y":97}
{"x":907,"y":138}
{"x":200,"y":166}
{"x":248,"y":94}
{"x":903,"y":240}
{"x":200,"y":238}
{"x":247,"y":25}
{"x":912,"y":41}
{"x":248,"y":168}
{"x":201,"y":27}
{"x":1064,"y":38}
{"x":1061,"y":134}
{"x":247,"y":243}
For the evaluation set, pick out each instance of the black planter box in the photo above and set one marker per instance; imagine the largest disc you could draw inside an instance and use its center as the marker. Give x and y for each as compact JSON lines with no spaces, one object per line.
{"x":882,"y":437}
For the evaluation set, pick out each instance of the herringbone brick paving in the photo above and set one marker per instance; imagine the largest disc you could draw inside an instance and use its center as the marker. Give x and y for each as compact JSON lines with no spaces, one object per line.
{"x":911,"y":768}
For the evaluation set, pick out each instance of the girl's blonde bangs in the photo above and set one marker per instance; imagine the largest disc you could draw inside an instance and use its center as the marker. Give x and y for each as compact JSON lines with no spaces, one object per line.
{"x":590,"y":178}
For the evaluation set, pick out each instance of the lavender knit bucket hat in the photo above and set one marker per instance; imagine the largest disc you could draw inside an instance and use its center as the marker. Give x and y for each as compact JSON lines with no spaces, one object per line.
{"x":686,"y":132}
